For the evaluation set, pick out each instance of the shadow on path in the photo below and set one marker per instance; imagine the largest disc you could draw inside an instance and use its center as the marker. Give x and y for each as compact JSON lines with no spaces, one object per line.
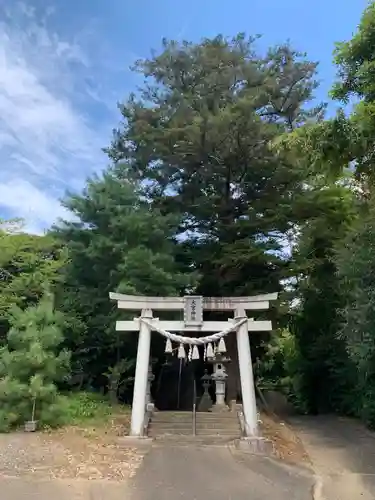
{"x":343,"y":454}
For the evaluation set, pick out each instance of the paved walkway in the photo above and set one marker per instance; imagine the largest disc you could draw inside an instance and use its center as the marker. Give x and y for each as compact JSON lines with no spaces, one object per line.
{"x":343,"y":455}
{"x":342,"y":452}
{"x":213,"y":473}
{"x":16,"y":488}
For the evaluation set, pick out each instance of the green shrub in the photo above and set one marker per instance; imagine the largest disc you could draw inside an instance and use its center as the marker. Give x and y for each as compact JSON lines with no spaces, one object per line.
{"x":30,"y":365}
{"x":86,"y":407}
{"x":279,"y":368}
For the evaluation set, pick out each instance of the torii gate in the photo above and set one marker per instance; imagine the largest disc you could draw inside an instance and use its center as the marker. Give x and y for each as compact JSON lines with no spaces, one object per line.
{"x":193,"y":307}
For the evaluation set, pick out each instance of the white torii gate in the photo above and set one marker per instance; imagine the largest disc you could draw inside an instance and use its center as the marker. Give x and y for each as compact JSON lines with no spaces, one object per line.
{"x":193,"y":307}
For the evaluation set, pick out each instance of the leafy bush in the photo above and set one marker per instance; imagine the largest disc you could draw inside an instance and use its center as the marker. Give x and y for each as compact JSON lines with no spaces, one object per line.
{"x":30,"y":365}
{"x":82,"y":407}
{"x":356,"y":271}
{"x":279,"y":368}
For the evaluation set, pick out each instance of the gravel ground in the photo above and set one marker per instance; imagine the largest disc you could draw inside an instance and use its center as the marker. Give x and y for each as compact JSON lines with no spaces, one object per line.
{"x":67,"y":454}
{"x":98,"y":453}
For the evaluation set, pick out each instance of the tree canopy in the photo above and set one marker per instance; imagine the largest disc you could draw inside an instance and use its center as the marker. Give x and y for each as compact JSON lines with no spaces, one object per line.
{"x":198,"y":136}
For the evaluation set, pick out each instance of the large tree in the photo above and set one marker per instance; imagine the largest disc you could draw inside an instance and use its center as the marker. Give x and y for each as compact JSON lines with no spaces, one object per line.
{"x":356,"y":271}
{"x":198,"y":135}
{"x":336,"y":287}
{"x":325,"y":373}
{"x":346,"y":140}
{"x":355,"y":259}
{"x":116,"y":243}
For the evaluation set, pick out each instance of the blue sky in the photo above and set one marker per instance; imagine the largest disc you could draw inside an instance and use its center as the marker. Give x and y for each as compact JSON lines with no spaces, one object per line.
{"x":64,"y":65}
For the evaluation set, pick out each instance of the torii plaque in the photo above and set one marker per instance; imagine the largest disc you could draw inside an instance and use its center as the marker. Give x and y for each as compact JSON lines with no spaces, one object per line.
{"x":193,"y":310}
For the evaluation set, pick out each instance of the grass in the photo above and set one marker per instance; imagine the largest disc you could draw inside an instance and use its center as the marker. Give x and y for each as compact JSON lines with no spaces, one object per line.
{"x":90,"y":409}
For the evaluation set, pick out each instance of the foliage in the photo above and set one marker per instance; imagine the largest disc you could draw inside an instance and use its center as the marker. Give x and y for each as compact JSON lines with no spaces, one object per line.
{"x":324,"y":150}
{"x":89,"y":408}
{"x":119,"y":378}
{"x":332,"y":256}
{"x":356,"y":267}
{"x":356,"y":65}
{"x":224,"y":180}
{"x":325,"y":372}
{"x":28,"y":265}
{"x":344,"y":141}
{"x":30,"y":366}
{"x":199,"y":134}
{"x":356,"y":61}
{"x":279,"y":368}
{"x":336,"y":358}
{"x":198,"y":138}
{"x":117,"y":243}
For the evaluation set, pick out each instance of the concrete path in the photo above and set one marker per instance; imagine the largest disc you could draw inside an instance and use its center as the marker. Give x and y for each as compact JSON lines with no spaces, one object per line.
{"x":17,"y":488}
{"x":343,"y":455}
{"x":342,"y":452}
{"x":170,"y":472}
{"x":214,"y":473}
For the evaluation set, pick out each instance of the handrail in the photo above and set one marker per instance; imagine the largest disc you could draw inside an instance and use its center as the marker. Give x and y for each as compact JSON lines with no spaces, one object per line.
{"x":194,"y":408}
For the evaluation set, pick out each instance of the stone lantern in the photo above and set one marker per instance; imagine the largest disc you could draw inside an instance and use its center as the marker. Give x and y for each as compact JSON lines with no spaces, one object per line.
{"x":220,"y":376}
{"x":205,"y":404}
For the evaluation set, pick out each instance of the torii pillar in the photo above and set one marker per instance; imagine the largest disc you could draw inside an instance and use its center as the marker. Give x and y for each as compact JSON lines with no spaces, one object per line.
{"x":245,"y":364}
{"x":141,"y":376}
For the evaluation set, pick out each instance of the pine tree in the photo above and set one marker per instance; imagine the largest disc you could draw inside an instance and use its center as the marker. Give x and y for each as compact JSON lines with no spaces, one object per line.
{"x":200,"y":133}
{"x":30,"y":366}
{"x":199,"y":137}
{"x":118,"y":242}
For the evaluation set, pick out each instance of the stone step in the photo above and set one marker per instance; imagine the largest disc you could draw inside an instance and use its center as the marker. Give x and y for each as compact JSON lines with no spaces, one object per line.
{"x":188,"y":430}
{"x":218,"y":425}
{"x":184,"y":436}
{"x":199,"y":432}
{"x":167,"y":418}
{"x":220,"y":433}
{"x":186,"y":420}
{"x":179,"y":426}
{"x":199,"y":425}
{"x":196,"y":440}
{"x":171,"y":425}
{"x":214,"y":416}
{"x":186,"y":417}
{"x":172,"y":413}
{"x":201,"y":413}
{"x":217,"y":420}
{"x":170,"y":432}
{"x":172,"y":422}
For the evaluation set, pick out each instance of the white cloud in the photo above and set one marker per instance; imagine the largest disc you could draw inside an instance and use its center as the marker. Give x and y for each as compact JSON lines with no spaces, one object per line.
{"x":36,"y":207}
{"x":47,"y":142}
